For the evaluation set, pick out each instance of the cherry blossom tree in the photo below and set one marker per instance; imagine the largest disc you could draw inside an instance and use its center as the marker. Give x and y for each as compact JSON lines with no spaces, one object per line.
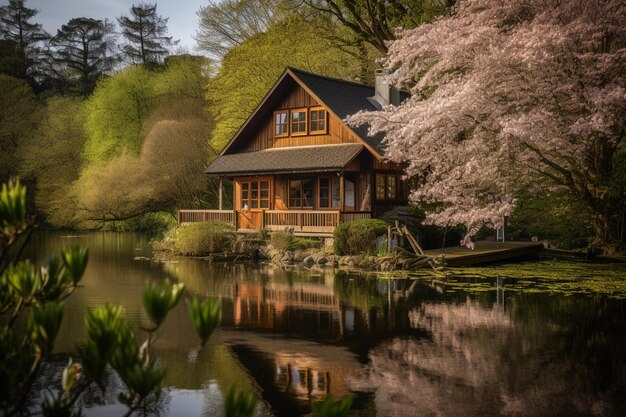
{"x":507,"y":95}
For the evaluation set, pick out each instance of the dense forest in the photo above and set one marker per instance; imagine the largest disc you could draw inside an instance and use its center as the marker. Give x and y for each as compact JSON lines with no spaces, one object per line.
{"x":111,"y":127}
{"x":111,"y":124}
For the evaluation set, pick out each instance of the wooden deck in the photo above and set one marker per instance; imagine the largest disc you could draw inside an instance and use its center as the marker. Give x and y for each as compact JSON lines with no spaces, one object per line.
{"x":487,"y":252}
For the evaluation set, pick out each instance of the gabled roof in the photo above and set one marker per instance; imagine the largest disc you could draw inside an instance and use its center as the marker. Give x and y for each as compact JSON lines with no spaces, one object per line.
{"x":297,"y":159}
{"x":343,"y":98}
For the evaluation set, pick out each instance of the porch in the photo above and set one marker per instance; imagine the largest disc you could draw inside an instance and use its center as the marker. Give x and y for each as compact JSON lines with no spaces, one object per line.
{"x":320,"y":223}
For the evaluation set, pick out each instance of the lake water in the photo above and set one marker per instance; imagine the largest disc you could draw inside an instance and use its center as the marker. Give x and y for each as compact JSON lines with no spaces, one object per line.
{"x":479,"y":345}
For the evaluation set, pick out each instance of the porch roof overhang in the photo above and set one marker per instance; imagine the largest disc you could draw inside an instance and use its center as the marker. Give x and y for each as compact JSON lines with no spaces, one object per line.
{"x":300,"y":159}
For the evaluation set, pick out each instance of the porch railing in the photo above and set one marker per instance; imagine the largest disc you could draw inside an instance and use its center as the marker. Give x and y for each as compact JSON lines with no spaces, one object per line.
{"x":348,"y":216}
{"x":313,"y":221}
{"x":198,"y":216}
{"x":321,"y":221}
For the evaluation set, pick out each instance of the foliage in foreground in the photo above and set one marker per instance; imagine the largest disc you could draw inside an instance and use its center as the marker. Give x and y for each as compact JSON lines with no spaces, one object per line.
{"x":358,"y":237}
{"x":113,"y":343}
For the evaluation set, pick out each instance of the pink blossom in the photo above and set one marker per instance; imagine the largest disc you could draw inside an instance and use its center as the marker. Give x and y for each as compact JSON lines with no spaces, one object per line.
{"x":505,"y":92}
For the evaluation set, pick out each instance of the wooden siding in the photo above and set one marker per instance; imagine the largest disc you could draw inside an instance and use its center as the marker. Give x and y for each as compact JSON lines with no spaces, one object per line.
{"x":297,"y":97}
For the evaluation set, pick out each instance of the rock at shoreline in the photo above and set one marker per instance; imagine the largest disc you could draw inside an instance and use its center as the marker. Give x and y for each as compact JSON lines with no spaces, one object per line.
{"x":298,"y":256}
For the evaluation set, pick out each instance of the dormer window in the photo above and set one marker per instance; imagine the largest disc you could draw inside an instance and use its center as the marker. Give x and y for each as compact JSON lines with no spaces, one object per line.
{"x":298,"y":122}
{"x":281,"y":126}
{"x":318,"y":121}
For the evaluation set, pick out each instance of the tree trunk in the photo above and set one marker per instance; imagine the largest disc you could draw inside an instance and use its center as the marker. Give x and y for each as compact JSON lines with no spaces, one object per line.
{"x":605,"y":234}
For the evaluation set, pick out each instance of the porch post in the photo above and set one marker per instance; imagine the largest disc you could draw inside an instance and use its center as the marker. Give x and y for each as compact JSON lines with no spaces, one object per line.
{"x":342,"y":190}
{"x":220,"y":194}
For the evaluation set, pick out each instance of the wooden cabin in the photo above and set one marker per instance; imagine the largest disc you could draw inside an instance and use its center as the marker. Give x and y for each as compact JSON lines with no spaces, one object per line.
{"x":295,"y":164}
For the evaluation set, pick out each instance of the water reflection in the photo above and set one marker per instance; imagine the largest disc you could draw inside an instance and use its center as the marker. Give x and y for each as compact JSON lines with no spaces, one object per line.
{"x":402,"y":347}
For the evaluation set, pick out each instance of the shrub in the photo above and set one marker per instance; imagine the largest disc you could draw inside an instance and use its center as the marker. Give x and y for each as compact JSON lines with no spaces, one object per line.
{"x":281,"y":240}
{"x":304,"y":243}
{"x":204,"y":238}
{"x":358,"y":237}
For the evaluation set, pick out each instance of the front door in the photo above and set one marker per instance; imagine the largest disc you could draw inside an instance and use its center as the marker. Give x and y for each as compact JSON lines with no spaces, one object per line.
{"x":253,"y":198}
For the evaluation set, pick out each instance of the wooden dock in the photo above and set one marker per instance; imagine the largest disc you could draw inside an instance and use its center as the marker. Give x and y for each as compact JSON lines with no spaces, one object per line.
{"x":487,"y":252}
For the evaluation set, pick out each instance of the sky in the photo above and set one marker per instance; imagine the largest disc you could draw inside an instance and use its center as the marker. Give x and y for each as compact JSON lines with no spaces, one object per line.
{"x":182,"y":14}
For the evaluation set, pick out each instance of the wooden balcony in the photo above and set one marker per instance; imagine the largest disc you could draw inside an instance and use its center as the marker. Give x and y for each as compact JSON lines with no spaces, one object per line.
{"x":321,"y":222}
{"x":199,"y":216}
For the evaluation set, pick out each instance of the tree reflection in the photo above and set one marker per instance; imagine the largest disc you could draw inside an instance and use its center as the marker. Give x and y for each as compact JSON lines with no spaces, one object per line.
{"x":481,"y":360}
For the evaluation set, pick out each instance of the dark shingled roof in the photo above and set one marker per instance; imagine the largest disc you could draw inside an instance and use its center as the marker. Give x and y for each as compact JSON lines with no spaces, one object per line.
{"x":345,"y":98}
{"x":285,"y":160}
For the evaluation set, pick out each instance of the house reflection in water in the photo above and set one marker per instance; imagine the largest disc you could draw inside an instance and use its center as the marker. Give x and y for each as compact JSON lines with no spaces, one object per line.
{"x":298,"y":335}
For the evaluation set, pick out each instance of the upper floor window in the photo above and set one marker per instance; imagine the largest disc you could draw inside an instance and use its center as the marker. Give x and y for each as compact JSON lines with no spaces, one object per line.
{"x":281,"y":126}
{"x":318,"y":121}
{"x":298,"y":122}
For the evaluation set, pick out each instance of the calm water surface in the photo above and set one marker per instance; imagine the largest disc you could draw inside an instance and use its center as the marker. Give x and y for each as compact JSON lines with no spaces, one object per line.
{"x":400,"y":347}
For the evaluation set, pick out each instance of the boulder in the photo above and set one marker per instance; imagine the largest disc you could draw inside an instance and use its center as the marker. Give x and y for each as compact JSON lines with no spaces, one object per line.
{"x":298,"y":256}
{"x":287,"y":258}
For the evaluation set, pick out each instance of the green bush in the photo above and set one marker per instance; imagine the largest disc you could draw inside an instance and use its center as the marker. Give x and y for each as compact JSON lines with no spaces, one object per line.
{"x":204,"y":238}
{"x":281,"y":240}
{"x":304,"y":243}
{"x":358,"y":237}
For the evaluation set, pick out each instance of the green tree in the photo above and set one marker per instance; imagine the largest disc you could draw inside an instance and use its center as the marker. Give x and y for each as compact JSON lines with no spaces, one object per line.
{"x":84,"y":51}
{"x":145,"y":32}
{"x":52,"y":159}
{"x":153,"y":166}
{"x":116,"y":112}
{"x":229,"y":23}
{"x":120,"y":111}
{"x":19,"y":113}
{"x":376,"y":21}
{"x":21,"y":33}
{"x":249,"y":70}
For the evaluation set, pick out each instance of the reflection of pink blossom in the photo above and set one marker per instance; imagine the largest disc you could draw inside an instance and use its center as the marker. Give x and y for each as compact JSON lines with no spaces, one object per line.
{"x":474,"y":361}
{"x":503,"y":91}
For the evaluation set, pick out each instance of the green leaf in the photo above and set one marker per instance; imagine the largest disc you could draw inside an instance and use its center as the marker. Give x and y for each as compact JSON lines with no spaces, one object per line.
{"x":14,"y":366}
{"x":55,"y":279}
{"x":205,"y":316}
{"x":75,"y":260}
{"x":7,"y":294}
{"x":44,"y":325}
{"x":103,"y":326}
{"x":23,"y":278}
{"x":94,"y":365}
{"x":12,"y":207}
{"x":330,"y":408}
{"x":159,"y":299}
{"x":239,"y":404}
